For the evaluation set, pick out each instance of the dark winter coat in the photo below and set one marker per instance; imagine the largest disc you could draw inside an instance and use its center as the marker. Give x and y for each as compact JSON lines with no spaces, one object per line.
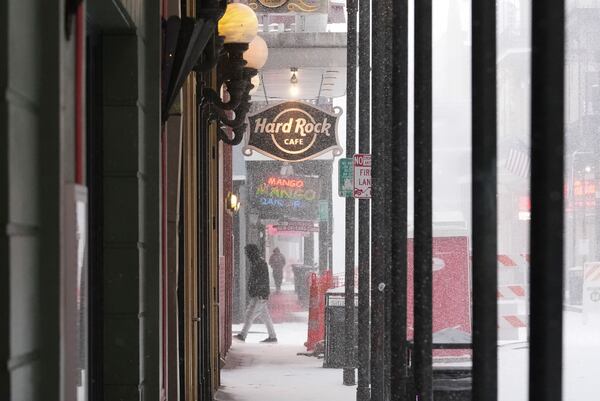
{"x":277,"y":261}
{"x":258,"y":278}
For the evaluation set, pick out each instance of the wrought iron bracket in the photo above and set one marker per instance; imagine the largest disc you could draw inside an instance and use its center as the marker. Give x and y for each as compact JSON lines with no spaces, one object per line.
{"x":231,"y":114}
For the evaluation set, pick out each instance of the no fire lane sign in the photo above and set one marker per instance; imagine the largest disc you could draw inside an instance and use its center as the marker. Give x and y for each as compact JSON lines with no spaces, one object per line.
{"x":362,"y":176}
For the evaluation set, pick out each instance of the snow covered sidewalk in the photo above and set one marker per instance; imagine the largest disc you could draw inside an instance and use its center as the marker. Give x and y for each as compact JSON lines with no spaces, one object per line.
{"x":273,"y":372}
{"x":581,"y":356}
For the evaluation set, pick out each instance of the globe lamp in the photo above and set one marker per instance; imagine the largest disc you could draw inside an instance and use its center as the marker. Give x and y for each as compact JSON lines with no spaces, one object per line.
{"x":239,"y":24}
{"x":257,"y":53}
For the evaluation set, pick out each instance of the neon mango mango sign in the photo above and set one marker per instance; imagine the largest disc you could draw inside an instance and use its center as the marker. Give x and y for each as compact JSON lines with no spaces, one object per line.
{"x":284,"y":192}
{"x":288,"y":195}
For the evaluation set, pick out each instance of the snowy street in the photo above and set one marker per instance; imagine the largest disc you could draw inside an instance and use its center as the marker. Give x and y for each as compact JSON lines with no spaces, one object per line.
{"x":581,"y":355}
{"x":268,"y":372}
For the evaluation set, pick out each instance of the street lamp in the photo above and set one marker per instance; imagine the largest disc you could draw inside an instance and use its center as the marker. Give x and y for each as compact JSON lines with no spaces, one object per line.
{"x":257,"y":53}
{"x":232,"y":203}
{"x":225,"y":38}
{"x":244,"y":54}
{"x":238,"y":25}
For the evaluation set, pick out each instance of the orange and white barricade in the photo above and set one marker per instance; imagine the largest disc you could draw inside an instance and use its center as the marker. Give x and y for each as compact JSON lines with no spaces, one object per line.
{"x":513,"y":297}
{"x":512,"y":269}
{"x":512,"y":327}
{"x":518,"y":292}
{"x":513,"y":318}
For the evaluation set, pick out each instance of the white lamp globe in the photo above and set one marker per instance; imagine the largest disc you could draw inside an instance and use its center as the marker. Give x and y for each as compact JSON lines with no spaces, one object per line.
{"x":239,"y":24}
{"x":257,"y":53}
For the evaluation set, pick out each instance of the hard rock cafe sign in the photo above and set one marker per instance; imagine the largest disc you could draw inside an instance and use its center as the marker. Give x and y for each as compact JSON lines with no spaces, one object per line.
{"x":293,"y":131}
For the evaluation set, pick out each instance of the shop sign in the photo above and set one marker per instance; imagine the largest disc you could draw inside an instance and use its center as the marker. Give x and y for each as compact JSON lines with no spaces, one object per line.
{"x":346,"y":178}
{"x":362,"y":176}
{"x":297,"y":226}
{"x":286,"y":6}
{"x":584,"y":193}
{"x":293,"y":131}
{"x":295,"y":196}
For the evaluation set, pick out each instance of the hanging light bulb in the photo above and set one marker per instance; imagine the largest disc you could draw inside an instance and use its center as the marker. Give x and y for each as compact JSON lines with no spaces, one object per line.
{"x":294,"y":77}
{"x":294,"y":90}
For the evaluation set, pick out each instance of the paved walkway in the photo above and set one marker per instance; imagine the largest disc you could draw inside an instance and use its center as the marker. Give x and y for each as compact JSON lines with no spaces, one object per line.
{"x":273,"y":372}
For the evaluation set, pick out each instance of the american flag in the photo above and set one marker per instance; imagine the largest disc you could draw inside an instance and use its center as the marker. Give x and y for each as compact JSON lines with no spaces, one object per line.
{"x":518,"y":161}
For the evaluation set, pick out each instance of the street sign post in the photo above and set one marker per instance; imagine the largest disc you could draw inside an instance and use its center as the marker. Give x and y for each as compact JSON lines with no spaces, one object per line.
{"x":346,"y":178}
{"x":362,"y":176}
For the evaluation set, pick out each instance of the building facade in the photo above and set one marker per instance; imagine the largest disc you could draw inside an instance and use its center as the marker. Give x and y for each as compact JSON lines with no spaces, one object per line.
{"x":113,"y":258}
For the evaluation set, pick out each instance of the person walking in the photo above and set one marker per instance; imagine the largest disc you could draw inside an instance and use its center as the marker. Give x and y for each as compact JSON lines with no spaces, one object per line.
{"x":277,"y":262}
{"x":258,"y":291}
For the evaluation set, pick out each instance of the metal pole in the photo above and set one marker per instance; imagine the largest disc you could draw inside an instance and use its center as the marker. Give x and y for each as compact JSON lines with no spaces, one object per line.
{"x":363,"y":392}
{"x":484,"y":204}
{"x":399,"y":151}
{"x":423,"y":209}
{"x":547,"y":151}
{"x":349,"y":374}
{"x":322,"y":244}
{"x":381,"y":202}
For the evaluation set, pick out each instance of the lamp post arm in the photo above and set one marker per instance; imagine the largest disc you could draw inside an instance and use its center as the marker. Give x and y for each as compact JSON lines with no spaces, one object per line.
{"x":237,"y":137}
{"x":212,"y":97}
{"x":240,"y":113}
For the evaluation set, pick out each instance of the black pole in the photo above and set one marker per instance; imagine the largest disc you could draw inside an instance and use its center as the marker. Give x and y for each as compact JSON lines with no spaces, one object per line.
{"x":349,"y":374}
{"x":381,"y":171}
{"x":363,"y":392}
{"x":547,"y":158}
{"x":399,"y":150}
{"x":325,"y":232}
{"x":422,"y":221}
{"x":484,"y":204}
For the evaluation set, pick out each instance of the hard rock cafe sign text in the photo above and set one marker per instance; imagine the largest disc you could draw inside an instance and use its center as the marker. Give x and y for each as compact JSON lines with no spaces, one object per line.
{"x":293,"y":131}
